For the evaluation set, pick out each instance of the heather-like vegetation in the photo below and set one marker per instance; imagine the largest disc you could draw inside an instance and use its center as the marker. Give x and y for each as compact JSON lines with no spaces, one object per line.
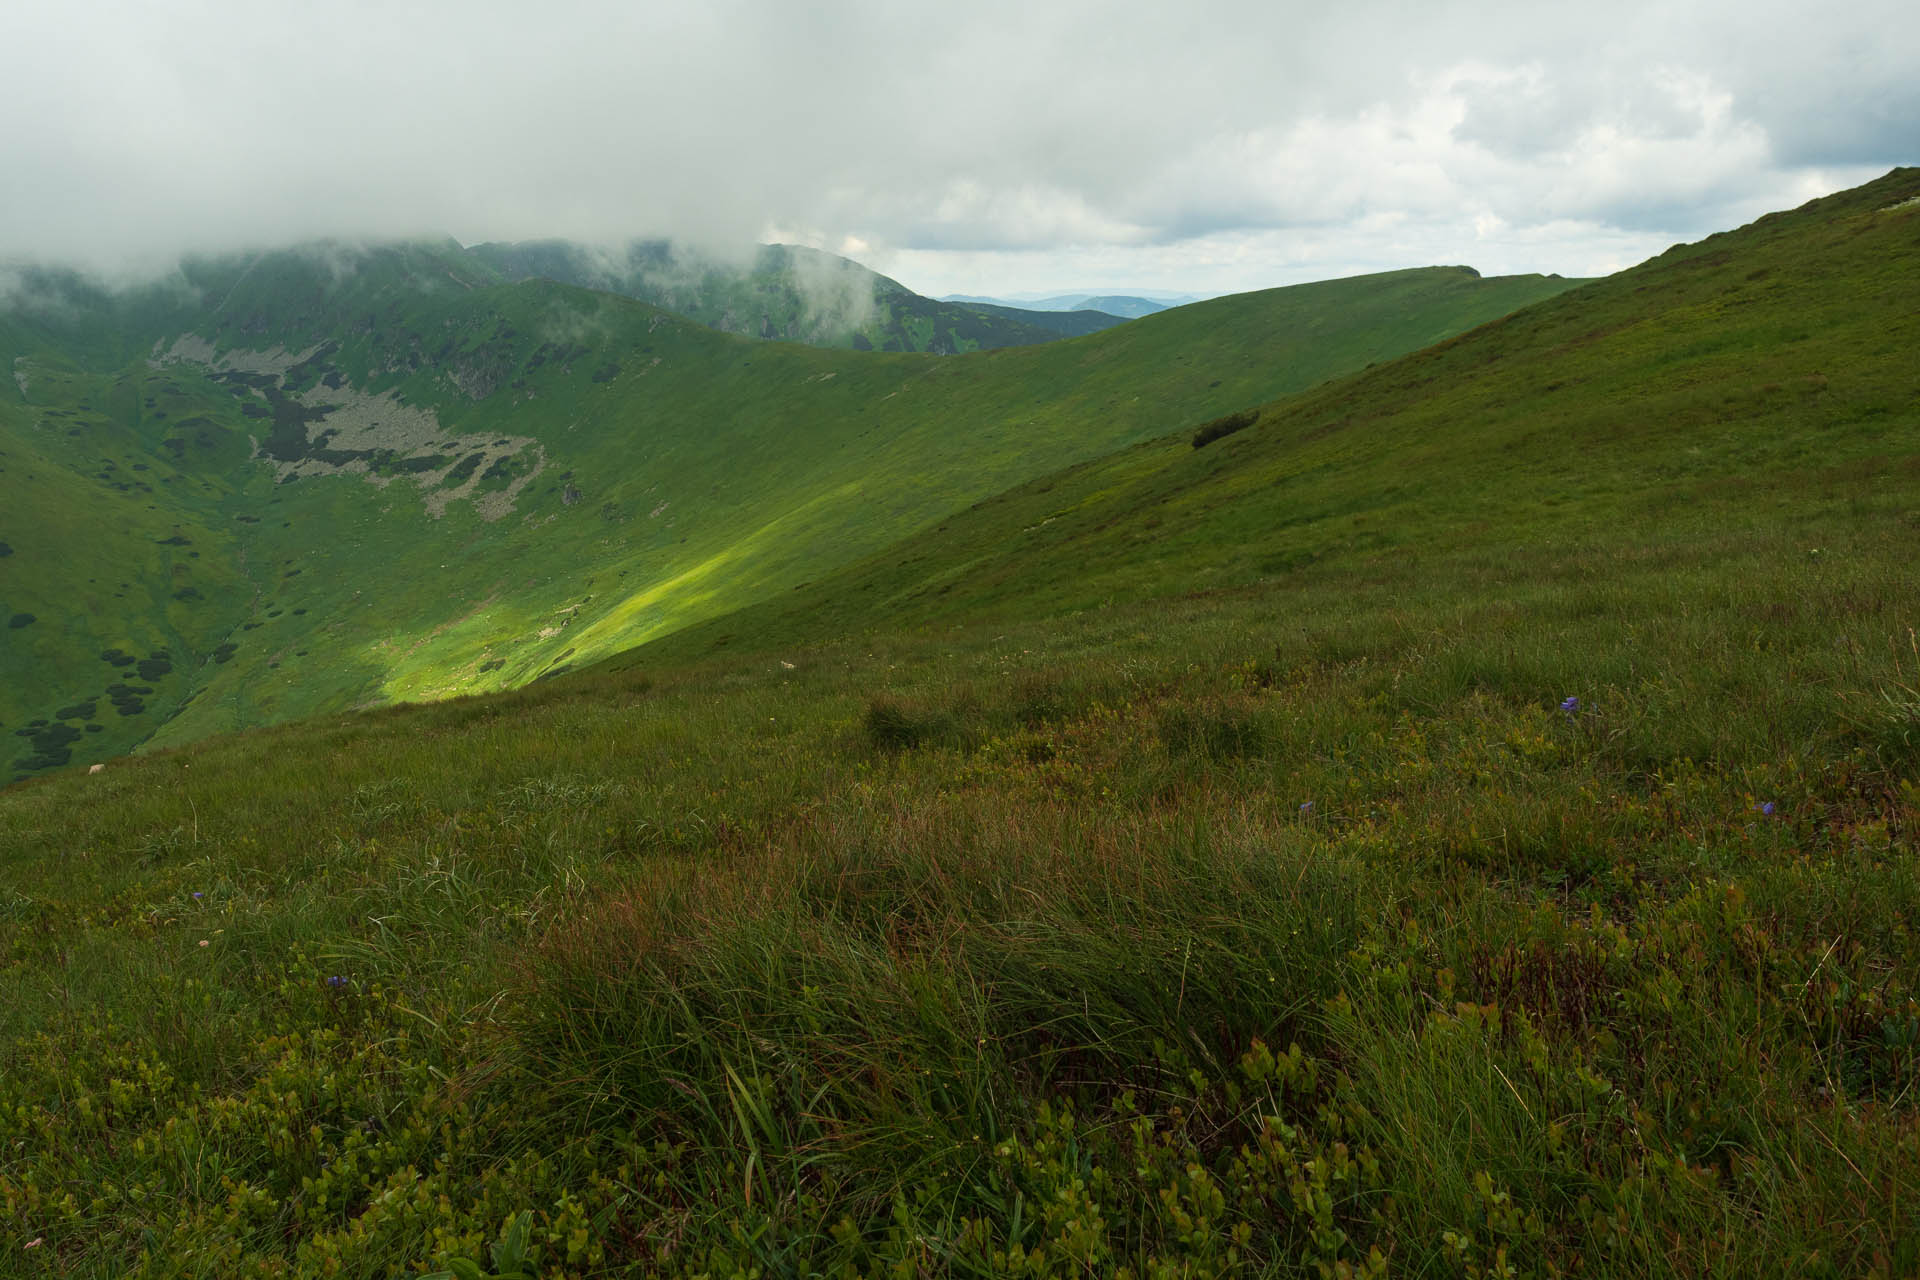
{"x":1147,"y":873}
{"x":1406,"y":931}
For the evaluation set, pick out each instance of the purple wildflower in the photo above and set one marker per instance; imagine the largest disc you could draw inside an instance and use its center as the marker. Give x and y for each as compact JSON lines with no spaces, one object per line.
{"x":1306,"y":808}
{"x":1570,"y":705}
{"x":336,"y":982}
{"x":1767,"y":809}
{"x":198,"y":894}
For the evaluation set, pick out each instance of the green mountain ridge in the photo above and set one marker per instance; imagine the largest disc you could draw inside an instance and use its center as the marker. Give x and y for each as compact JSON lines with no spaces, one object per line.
{"x":1071,"y":324}
{"x":345,"y":475}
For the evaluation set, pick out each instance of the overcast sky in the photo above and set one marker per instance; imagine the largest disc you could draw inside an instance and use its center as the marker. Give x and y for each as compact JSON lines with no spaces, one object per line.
{"x":1208,"y":146}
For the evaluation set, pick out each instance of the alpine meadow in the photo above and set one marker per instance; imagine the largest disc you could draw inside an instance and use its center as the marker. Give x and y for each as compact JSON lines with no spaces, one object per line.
{"x":526,"y":760}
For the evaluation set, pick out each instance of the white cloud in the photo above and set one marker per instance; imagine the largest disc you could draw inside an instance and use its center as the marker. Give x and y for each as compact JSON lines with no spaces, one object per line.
{"x":1144,"y":139}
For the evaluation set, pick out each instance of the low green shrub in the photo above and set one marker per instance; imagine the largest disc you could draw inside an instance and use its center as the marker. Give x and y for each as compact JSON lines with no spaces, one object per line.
{"x":1225,"y":425}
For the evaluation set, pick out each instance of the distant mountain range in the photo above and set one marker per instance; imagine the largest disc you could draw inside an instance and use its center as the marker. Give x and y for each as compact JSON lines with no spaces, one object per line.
{"x":1125,"y":305}
{"x":1067,"y":324}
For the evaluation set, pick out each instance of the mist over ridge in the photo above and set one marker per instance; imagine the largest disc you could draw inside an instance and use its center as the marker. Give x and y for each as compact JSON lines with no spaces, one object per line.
{"x":993,"y":150}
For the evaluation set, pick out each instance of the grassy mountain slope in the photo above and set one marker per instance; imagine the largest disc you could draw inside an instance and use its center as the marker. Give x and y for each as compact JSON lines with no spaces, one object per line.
{"x":466,"y":484}
{"x":1071,"y":324}
{"x":1557,"y":428}
{"x":785,"y":292}
{"x":1523,"y":884}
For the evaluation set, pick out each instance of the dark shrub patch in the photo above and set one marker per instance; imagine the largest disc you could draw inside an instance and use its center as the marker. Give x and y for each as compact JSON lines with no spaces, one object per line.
{"x":1224,"y":426}
{"x":892,"y":725}
{"x":127,"y":699}
{"x":19,"y":620}
{"x":607,"y":372}
{"x":186,"y":594}
{"x":225,"y":652}
{"x":95,"y":728}
{"x":5,"y":551}
{"x":116,"y":657}
{"x":468,"y":464}
{"x":175,"y":541}
{"x":50,"y":746}
{"x":492,"y":664}
{"x":154,"y":668}
{"x":78,"y":711}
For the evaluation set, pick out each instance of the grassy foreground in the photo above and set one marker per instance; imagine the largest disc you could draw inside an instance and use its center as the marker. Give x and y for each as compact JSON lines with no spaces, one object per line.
{"x":1200,"y":887}
{"x":1222,"y":946}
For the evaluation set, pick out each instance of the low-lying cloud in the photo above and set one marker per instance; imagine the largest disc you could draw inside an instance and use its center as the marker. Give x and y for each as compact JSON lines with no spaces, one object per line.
{"x":1248,"y":142}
